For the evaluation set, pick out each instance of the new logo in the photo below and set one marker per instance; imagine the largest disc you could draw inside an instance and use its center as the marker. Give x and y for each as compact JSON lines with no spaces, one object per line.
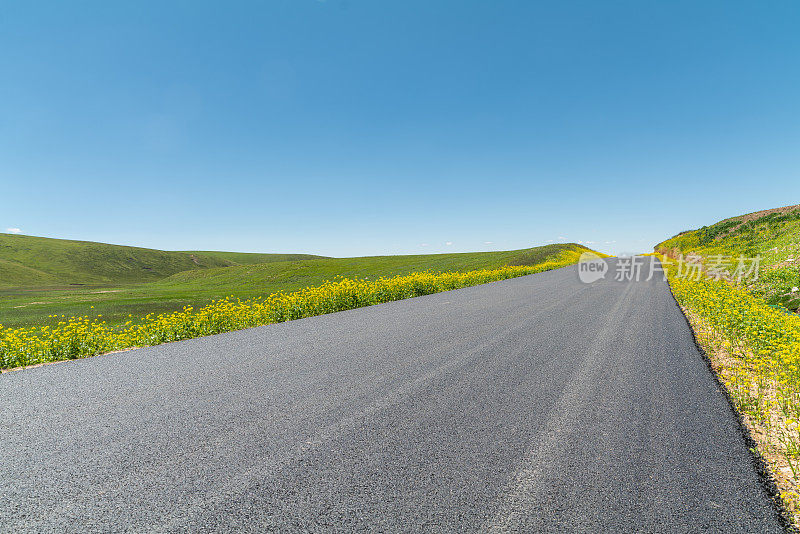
{"x":591,"y":268}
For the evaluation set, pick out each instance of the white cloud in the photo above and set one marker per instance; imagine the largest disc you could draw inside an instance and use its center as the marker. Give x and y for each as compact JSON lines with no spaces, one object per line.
{"x":488,"y":242}
{"x":561,"y":237}
{"x":590,"y":242}
{"x":549,"y":241}
{"x":13,"y":230}
{"x":423,"y":245}
{"x":449,"y":243}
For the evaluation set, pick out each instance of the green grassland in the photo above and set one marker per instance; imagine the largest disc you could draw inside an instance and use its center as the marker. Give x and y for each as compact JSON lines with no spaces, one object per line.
{"x":27,"y":261}
{"x":247,"y":258}
{"x":116,"y":285}
{"x":773,"y":235}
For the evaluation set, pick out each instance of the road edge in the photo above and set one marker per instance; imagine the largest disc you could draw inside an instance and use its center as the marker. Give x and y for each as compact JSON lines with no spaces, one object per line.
{"x":765,"y":478}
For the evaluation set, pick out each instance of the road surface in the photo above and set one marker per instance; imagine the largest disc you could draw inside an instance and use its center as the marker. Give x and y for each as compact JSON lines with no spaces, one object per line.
{"x":539,"y":404}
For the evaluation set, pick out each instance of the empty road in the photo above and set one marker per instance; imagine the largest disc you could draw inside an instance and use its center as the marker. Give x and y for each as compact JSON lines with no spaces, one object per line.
{"x":538,"y":404}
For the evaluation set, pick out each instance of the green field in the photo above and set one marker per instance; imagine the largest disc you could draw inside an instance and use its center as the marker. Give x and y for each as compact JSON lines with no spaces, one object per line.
{"x":35,"y":262}
{"x":73,"y":278}
{"x":773,"y":235}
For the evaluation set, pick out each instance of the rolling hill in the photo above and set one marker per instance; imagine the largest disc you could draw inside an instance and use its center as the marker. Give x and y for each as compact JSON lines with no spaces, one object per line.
{"x":291,"y":274}
{"x":28,"y":261}
{"x":773,"y":235}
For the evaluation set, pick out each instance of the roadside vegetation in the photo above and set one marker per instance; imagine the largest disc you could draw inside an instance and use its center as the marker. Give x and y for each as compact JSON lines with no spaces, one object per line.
{"x":749,"y":329}
{"x":86,"y":335}
{"x":772,"y":235}
{"x":246,"y":276}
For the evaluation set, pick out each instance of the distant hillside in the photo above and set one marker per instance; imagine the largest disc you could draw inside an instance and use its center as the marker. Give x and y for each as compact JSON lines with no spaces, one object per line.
{"x":773,"y":235}
{"x":27,"y":261}
{"x":250,"y":258}
{"x":198,"y":286}
{"x":294,"y":274}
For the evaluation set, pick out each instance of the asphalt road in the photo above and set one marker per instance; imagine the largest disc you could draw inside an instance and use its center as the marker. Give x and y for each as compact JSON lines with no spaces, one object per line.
{"x":537,"y":404}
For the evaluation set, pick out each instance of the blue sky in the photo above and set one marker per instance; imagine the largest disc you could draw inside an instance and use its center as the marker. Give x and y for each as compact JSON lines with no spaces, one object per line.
{"x":356,"y":127}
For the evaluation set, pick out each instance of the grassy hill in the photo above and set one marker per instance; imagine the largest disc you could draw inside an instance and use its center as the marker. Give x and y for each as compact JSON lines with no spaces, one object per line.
{"x":27,"y":261}
{"x":22,"y":306}
{"x":772,"y":234}
{"x":292,"y":274}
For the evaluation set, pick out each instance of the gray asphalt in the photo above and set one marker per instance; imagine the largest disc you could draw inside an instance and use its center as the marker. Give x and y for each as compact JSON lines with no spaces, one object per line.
{"x":537,"y":404}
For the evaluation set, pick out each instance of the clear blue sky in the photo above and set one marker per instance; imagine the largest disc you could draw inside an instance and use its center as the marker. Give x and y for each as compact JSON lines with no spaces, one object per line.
{"x":357,"y":127}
